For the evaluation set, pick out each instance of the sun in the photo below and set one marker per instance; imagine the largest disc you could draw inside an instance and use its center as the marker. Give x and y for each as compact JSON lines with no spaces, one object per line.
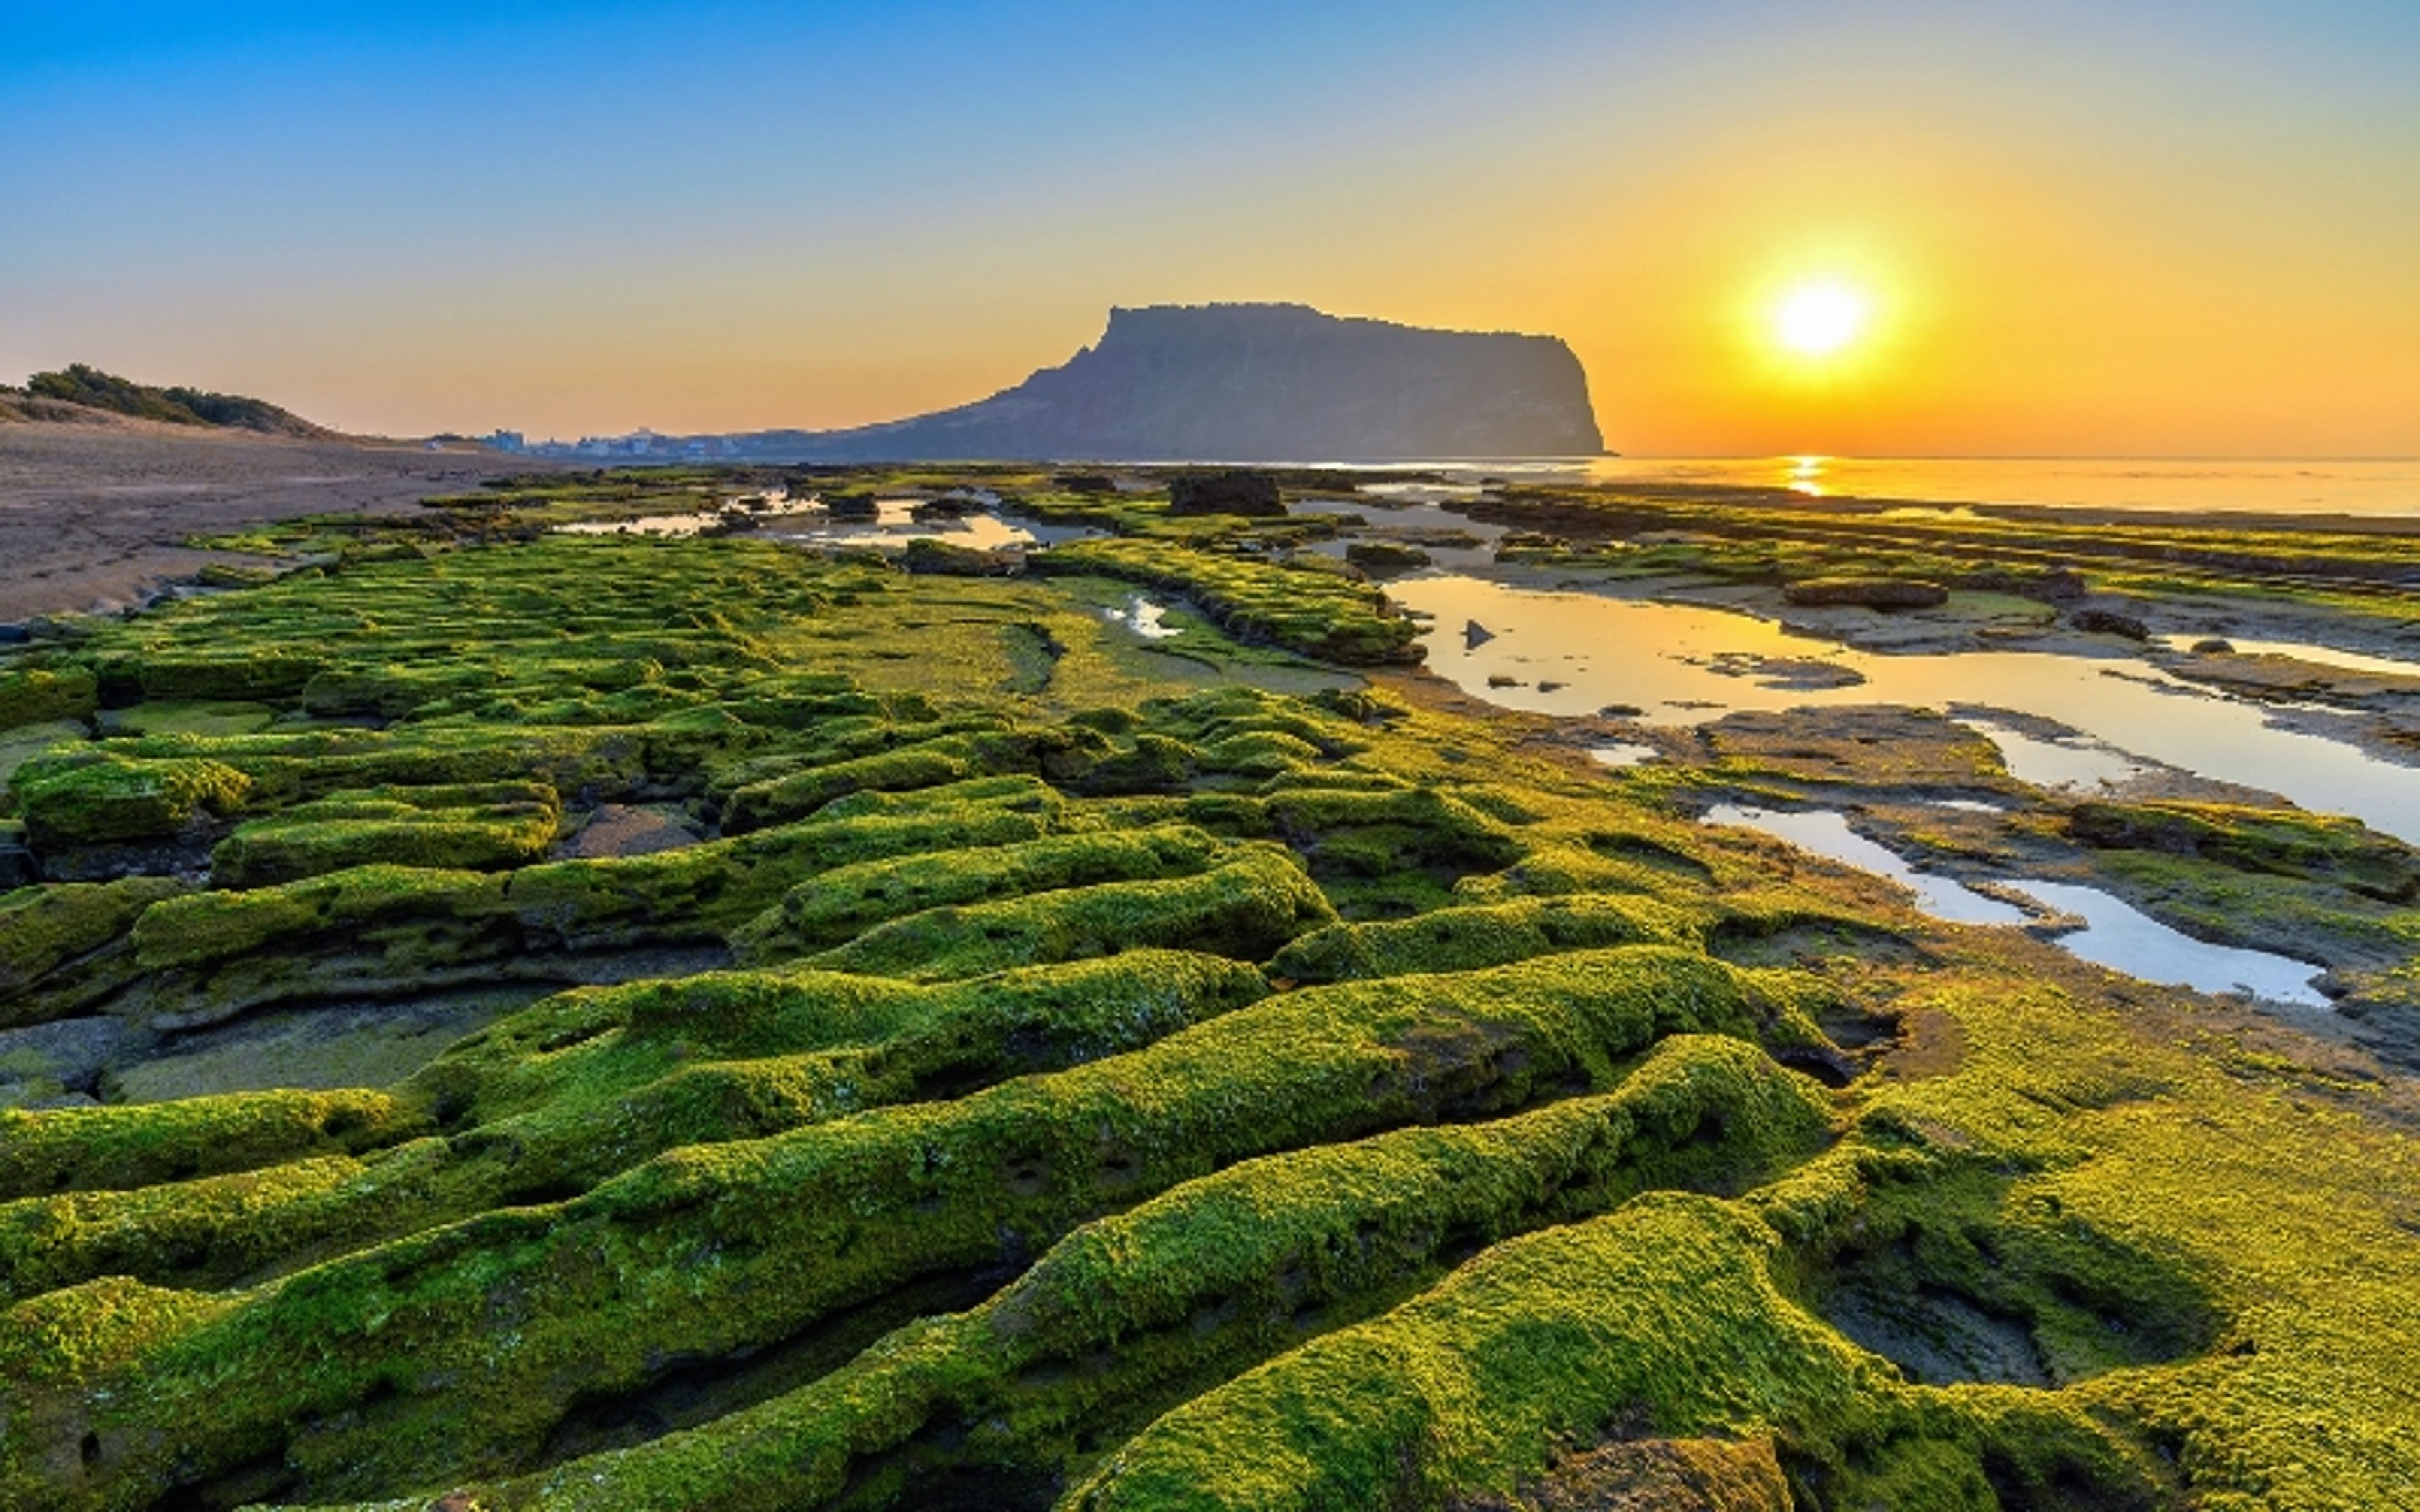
{"x":1820,"y":319}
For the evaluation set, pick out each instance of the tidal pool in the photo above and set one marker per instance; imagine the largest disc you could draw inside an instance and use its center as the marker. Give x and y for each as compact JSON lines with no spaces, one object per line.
{"x":806,"y":521}
{"x":2122,"y":937}
{"x":1577,"y":652}
{"x":778,"y":504}
{"x":1826,"y":832}
{"x":2114,"y":933}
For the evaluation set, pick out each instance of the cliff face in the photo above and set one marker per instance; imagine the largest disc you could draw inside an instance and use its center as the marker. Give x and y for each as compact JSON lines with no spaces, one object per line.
{"x":1257,"y":382}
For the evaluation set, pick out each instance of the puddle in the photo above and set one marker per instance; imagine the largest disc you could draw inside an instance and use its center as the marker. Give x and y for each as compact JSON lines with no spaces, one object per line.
{"x":1826,"y":832}
{"x":2353,"y":661}
{"x":2117,"y":936}
{"x":1625,"y":755}
{"x":1145,"y":617}
{"x":1599,"y":651}
{"x":1968,"y":806}
{"x":806,"y":522}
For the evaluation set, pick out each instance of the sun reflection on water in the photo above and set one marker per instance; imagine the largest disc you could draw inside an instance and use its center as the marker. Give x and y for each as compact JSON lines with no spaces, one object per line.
{"x":1807,"y":476}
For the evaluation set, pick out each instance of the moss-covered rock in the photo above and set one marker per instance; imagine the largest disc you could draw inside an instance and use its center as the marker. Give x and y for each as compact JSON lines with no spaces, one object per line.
{"x":38,"y":695}
{"x":481,"y":826}
{"x":88,"y":797}
{"x":2321,"y":847}
{"x":1246,"y":907}
{"x":64,"y":946}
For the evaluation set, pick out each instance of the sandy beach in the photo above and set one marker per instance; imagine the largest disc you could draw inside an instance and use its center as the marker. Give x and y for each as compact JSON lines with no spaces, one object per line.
{"x":94,"y":517}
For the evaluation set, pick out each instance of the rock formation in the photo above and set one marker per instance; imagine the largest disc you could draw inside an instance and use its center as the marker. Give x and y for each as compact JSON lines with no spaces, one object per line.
{"x":1254,"y":382}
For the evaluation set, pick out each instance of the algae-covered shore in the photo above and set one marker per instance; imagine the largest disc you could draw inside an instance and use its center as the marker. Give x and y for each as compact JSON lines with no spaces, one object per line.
{"x":505,"y":1018}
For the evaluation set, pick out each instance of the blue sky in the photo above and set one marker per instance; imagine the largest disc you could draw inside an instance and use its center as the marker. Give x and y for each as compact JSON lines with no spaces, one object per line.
{"x":592,"y":217}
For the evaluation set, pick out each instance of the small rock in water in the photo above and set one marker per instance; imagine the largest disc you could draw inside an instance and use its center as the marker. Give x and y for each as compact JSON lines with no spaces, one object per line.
{"x":1240,"y":492}
{"x":2212,"y":647}
{"x":1503,"y":680}
{"x":1546,"y":687}
{"x":1475,"y":635}
{"x":1620,"y":711}
{"x":1386,"y":556}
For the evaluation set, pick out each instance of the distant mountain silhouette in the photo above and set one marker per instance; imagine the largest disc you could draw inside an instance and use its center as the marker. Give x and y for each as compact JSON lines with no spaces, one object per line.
{"x":1252,"y":382}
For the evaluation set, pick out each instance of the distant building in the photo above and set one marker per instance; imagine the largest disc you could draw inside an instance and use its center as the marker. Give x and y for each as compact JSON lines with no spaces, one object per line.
{"x":509,"y":440}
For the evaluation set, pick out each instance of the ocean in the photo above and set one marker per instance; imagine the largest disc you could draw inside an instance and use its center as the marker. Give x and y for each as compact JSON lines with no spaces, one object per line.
{"x":2367,"y":488}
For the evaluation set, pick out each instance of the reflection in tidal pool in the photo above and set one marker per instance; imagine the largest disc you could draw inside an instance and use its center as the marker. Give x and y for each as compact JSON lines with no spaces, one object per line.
{"x":1143,"y":617}
{"x":2123,"y":938}
{"x":1826,"y":832}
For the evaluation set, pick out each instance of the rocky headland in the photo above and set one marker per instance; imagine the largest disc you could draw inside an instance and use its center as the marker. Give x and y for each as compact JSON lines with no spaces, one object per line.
{"x":1253,"y":382}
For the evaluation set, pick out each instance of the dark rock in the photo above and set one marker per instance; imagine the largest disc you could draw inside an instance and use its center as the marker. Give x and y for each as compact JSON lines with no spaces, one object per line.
{"x":2109,"y":622}
{"x":1240,"y":492}
{"x":1089,"y":483}
{"x":1475,"y":635}
{"x":49,"y":1063}
{"x":2213,"y":647}
{"x":1870,"y":592}
{"x":15,"y":635}
{"x":18,"y":868}
{"x":852,"y":507}
{"x":2061,"y":584}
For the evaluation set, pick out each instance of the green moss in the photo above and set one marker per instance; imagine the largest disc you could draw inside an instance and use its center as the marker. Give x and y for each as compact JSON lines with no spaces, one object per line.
{"x":789,"y":1228}
{"x":120,"y":1148}
{"x":800,"y":794}
{"x":1247,"y":908}
{"x":1210,"y":1278}
{"x":477,"y":828}
{"x":1304,"y":608}
{"x":845,"y":902}
{"x":50,"y":936}
{"x":45,"y":696}
{"x":1457,"y":940}
{"x":2319,"y":847}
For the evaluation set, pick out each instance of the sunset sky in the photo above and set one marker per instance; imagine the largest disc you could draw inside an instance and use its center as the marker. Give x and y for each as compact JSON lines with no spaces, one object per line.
{"x":2102,"y":227}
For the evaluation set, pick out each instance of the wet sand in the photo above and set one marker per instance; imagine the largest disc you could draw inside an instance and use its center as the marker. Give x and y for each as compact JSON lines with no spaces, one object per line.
{"x":93,"y":518}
